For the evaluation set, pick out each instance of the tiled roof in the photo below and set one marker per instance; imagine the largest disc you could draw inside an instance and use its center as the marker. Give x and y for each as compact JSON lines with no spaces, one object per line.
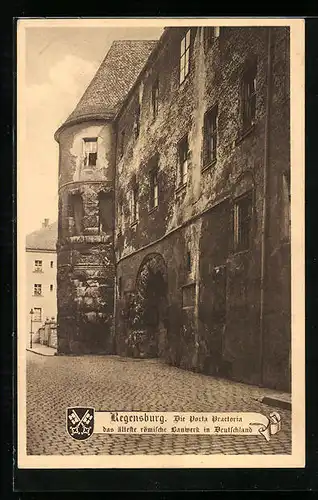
{"x":113,"y":80}
{"x":43,"y":239}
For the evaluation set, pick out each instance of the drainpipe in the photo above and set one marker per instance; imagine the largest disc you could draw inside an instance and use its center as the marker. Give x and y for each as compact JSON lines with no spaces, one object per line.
{"x":265,"y":199}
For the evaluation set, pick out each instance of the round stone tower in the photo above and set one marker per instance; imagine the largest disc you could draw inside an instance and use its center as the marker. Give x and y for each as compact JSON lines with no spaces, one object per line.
{"x":85,"y":254}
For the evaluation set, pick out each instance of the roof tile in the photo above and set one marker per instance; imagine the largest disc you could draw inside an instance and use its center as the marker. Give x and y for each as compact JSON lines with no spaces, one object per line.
{"x":114,"y":78}
{"x":43,"y":239}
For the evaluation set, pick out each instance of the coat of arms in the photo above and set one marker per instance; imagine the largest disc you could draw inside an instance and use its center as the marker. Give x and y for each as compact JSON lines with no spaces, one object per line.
{"x":80,"y":422}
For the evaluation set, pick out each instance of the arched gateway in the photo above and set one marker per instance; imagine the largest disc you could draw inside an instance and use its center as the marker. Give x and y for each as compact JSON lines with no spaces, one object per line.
{"x":152,"y":303}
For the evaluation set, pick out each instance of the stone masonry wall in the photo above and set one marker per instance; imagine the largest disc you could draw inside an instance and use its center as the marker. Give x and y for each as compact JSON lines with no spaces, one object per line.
{"x":230,"y":343}
{"x":213,"y":291}
{"x":214,"y":79}
{"x":180,"y":347}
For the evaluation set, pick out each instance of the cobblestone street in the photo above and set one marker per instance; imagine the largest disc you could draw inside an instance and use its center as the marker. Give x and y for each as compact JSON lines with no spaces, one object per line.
{"x":113,"y":383}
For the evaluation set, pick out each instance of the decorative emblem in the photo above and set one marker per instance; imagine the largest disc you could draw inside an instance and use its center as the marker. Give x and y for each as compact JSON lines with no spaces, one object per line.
{"x":80,"y":422}
{"x":272,"y":426}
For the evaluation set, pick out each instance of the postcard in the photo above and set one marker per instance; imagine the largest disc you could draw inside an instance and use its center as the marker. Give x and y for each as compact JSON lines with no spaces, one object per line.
{"x":160,"y":209}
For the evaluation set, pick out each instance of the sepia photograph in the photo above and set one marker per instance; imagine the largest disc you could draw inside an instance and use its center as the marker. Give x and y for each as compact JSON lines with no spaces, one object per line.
{"x":160,"y":173}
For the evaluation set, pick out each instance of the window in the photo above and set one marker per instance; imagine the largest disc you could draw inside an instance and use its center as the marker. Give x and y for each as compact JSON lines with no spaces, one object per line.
{"x":154,"y":188}
{"x":77,"y":211}
{"x":38,"y":266}
{"x":70,"y":207}
{"x":51,"y":264}
{"x":37,"y":314}
{"x":243,"y":222}
{"x":212,"y":33}
{"x":90,"y":152}
{"x":189,"y":263}
{"x":183,"y":160}
{"x":155,"y":98}
{"x":185,"y":56}
{"x":137,"y":122}
{"x":249,"y":97}
{"x":134,"y":204}
{"x":286,"y":222}
{"x":210,"y":135}
{"x":37,"y":289}
{"x":51,"y":288}
{"x":122,"y":143}
{"x":188,"y":295}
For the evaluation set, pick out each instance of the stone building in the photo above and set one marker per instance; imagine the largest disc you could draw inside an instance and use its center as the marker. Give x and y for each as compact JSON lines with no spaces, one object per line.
{"x":174,"y":205}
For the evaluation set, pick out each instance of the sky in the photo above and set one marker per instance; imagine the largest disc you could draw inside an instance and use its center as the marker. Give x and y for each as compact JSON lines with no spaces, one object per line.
{"x":59,"y":64}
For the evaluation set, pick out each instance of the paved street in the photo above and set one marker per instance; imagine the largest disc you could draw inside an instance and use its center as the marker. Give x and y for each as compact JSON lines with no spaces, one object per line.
{"x":114,"y":383}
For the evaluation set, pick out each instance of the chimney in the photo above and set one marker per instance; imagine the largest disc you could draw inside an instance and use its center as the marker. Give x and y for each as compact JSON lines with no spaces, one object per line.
{"x":45,"y":223}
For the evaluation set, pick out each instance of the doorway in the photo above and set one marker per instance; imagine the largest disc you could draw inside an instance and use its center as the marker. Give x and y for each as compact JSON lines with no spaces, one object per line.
{"x":151,"y":288}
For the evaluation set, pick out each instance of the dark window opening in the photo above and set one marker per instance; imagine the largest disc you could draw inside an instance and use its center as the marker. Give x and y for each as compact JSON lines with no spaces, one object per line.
{"x":155,"y":98}
{"x":249,"y":97}
{"x":38,"y":266}
{"x":154,"y":189}
{"x":185,"y":56}
{"x":210,"y":135}
{"x":105,"y":212}
{"x":137,"y":122}
{"x":51,"y":264}
{"x":183,"y":160}
{"x":37,"y":289}
{"x":51,"y":288}
{"x":90,"y":152}
{"x":70,"y":208}
{"x":189,"y":262}
{"x":77,"y":211}
{"x":243,"y":222}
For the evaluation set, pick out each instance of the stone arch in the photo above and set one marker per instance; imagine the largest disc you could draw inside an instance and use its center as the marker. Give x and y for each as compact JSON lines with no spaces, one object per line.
{"x":152,"y":297}
{"x":75,"y":207}
{"x":152,"y":264}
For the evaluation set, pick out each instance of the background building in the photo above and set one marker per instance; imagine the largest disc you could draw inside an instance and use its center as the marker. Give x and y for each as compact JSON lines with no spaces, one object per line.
{"x":41,"y":274}
{"x":174,"y":204}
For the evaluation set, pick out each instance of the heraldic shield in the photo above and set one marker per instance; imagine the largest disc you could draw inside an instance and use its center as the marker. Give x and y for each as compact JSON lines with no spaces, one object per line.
{"x":80,"y":422}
